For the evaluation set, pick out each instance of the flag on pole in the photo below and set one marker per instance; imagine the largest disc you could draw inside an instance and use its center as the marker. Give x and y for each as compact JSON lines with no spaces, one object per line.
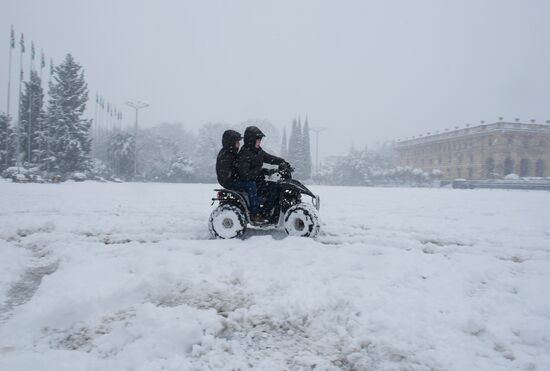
{"x":42,"y":59}
{"x":22,"y":43}
{"x":12,"y":38}
{"x":32,"y":50}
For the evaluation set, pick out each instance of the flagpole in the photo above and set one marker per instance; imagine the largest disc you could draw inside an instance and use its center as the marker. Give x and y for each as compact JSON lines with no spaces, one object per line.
{"x":18,"y":129}
{"x":12,"y":45}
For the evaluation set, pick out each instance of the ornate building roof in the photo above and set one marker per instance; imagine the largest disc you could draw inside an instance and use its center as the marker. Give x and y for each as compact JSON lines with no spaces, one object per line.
{"x":500,"y":126}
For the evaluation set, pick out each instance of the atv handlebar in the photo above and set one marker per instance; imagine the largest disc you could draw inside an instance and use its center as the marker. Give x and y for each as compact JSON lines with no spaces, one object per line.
{"x":285,"y":170}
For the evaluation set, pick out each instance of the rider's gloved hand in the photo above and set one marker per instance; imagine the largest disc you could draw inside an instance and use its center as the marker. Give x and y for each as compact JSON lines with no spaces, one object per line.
{"x":268,"y":172}
{"x":284,"y":166}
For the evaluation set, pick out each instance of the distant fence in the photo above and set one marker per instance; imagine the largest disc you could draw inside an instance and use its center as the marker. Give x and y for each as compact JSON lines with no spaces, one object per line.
{"x":542,"y":184}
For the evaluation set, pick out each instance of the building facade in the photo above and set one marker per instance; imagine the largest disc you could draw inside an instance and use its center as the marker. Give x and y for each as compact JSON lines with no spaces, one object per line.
{"x":489,"y":151}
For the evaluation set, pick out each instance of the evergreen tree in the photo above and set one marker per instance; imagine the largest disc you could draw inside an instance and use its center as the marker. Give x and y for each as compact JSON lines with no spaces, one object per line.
{"x":6,"y":142}
{"x":284,"y":148}
{"x":306,"y":151}
{"x":299,"y":163}
{"x":31,"y":135}
{"x":293,"y":143}
{"x":69,"y":134}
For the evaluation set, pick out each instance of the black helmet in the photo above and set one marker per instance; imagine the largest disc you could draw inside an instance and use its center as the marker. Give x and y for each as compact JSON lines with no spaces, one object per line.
{"x":252,"y":133}
{"x":229,"y":138}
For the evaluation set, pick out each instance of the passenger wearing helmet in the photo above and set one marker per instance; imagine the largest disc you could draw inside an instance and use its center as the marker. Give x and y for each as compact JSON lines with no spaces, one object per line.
{"x":250,"y":167}
{"x":226,"y":171}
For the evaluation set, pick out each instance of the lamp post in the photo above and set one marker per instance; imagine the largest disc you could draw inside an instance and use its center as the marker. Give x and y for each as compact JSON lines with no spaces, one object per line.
{"x":317,"y":130}
{"x":136,"y":106}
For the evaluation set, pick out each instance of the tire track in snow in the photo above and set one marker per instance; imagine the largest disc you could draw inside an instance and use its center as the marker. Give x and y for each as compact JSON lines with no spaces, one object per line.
{"x":22,"y":290}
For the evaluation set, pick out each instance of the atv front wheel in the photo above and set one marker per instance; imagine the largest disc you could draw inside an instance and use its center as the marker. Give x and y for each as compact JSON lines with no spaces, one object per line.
{"x":227,"y":221}
{"x":302,"y":220}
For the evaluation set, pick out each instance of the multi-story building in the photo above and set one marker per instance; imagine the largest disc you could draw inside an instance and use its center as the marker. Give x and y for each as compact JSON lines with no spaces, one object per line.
{"x":487,"y":151}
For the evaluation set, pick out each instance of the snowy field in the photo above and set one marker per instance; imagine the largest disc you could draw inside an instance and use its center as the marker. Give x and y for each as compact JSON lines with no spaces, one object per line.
{"x":124,"y":277}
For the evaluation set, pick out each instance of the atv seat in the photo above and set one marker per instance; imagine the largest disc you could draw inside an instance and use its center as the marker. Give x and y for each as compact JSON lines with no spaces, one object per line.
{"x":242,"y":196}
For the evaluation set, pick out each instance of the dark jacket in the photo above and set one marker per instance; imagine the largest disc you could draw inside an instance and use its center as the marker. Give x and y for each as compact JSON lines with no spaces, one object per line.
{"x":251,"y":159}
{"x":227,"y":158}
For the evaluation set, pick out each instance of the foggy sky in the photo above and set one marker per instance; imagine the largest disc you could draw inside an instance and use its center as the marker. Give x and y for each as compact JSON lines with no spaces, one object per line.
{"x":369,"y":71}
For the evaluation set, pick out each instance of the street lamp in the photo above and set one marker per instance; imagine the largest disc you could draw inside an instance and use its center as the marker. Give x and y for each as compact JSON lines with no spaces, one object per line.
{"x":317,"y":130}
{"x":137,"y":106}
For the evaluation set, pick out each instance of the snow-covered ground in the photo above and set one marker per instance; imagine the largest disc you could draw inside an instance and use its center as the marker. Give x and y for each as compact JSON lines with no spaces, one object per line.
{"x":124,"y":277}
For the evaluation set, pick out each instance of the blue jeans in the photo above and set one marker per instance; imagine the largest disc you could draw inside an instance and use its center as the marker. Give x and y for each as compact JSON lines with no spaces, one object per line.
{"x":271,"y":192}
{"x":251,"y":190}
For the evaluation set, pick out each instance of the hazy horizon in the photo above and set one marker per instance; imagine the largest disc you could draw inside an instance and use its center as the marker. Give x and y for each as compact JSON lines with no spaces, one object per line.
{"x":367,"y":71}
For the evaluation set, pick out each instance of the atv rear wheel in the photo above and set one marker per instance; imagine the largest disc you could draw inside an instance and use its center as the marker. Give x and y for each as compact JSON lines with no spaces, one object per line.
{"x":227,"y":221}
{"x":302,"y":220}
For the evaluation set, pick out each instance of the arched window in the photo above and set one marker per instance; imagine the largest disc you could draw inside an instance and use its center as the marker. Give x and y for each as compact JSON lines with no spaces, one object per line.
{"x":539,"y":168}
{"x":508,"y":166}
{"x":524,"y":167}
{"x":490,"y":168}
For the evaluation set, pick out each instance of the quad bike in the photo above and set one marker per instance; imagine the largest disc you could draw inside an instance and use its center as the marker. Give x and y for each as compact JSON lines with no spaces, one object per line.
{"x":232,"y":217}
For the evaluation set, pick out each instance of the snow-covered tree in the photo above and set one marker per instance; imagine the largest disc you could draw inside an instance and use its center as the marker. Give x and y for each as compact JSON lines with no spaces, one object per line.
{"x":120,"y":148}
{"x":7,"y":142}
{"x":69,"y":136}
{"x":161,"y":149}
{"x":175,"y":132}
{"x":181,"y":169}
{"x":292,"y":142}
{"x":365,"y":167}
{"x":298,"y":149}
{"x":209,"y":143}
{"x":32,"y":136}
{"x":284,"y":148}
{"x":295,"y":150}
{"x":306,"y":151}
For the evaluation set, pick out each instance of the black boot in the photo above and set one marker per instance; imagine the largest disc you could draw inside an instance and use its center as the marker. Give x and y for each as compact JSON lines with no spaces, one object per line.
{"x":258,"y":218}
